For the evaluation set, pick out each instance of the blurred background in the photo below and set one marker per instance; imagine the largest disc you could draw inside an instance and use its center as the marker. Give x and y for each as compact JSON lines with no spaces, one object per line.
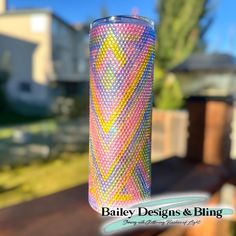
{"x":44,"y":91}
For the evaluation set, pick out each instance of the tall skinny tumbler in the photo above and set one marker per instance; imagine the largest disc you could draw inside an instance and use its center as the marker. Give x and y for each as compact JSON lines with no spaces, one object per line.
{"x":121,"y":77}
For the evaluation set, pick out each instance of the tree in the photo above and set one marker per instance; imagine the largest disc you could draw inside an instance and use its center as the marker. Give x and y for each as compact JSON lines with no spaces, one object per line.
{"x":181,"y":29}
{"x":182,"y":25}
{"x":104,"y":11}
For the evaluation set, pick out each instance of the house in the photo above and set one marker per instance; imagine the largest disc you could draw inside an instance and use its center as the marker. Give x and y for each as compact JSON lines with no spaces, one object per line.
{"x":48,"y":57}
{"x":207,"y":74}
{"x":211,"y":75}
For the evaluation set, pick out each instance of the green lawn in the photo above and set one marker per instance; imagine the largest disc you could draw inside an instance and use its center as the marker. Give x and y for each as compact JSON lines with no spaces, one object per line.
{"x":48,"y":125}
{"x":39,"y":179}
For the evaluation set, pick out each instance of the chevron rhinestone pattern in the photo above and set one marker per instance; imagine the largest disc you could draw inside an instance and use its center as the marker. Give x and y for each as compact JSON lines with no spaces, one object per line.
{"x":121,"y":76}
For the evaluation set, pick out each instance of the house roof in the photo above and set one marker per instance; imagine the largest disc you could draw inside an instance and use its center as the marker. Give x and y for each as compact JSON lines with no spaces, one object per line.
{"x":215,"y":62}
{"x":82,"y":27}
{"x":36,"y":11}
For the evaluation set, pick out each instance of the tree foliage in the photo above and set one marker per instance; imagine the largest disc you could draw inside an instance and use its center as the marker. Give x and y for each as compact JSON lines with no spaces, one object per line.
{"x":182,"y":25}
{"x":170,"y":96}
{"x":181,"y":29}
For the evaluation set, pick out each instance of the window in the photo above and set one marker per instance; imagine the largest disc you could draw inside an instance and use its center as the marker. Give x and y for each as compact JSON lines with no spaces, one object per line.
{"x":25,"y":87}
{"x":70,"y":88}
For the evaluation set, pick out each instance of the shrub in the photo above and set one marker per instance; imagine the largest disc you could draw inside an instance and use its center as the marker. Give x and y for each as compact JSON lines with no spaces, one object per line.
{"x":170,"y":96}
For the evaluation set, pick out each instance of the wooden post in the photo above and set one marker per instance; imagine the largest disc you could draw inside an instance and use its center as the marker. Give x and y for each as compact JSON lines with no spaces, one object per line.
{"x":210,"y":121}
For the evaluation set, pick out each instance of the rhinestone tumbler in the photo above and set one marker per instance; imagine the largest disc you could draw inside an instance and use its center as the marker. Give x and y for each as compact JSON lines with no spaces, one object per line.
{"x":121,"y":77}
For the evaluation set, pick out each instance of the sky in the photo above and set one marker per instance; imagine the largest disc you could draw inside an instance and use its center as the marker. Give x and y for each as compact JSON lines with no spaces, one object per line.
{"x":221,"y":37}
